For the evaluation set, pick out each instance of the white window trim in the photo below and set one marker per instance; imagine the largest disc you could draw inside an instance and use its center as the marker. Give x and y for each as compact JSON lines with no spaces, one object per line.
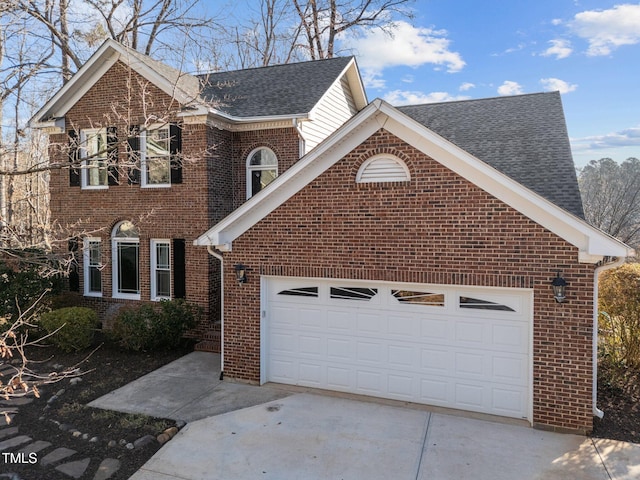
{"x":143,"y":157}
{"x":154,"y":264}
{"x":251,"y":168}
{"x":86,"y":266}
{"x":369,"y":161}
{"x":114,"y":262}
{"x":85,"y":134}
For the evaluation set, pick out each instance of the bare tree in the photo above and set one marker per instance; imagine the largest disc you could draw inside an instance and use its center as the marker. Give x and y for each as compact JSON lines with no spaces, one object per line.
{"x":324,"y":20}
{"x":611,"y":197}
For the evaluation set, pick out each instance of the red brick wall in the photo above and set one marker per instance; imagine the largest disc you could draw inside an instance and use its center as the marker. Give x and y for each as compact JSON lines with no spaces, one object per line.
{"x":439,"y":228}
{"x":283,"y":141}
{"x":181,"y":211}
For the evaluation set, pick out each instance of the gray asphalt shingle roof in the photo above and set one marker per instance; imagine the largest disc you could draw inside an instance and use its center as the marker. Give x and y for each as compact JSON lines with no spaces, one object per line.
{"x":523,"y":136}
{"x":289,"y":89}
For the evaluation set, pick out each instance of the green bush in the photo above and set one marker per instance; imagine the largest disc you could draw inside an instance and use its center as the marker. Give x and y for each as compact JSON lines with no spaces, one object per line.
{"x":619,"y":305}
{"x":152,"y":327}
{"x":22,"y":283}
{"x":71,"y":329}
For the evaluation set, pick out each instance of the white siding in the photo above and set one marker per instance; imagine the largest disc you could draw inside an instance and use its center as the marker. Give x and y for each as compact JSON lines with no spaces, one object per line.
{"x":335,"y":108}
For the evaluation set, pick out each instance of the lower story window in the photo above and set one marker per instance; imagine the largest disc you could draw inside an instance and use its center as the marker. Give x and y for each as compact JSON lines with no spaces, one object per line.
{"x":92,"y":267}
{"x":126,"y":261}
{"x":160,"y":269}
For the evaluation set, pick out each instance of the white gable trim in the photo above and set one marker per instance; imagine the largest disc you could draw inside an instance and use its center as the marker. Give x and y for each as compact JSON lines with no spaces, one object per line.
{"x":592,"y":243}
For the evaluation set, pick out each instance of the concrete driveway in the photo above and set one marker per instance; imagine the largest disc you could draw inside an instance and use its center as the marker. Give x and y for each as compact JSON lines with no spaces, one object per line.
{"x":243,"y":432}
{"x":308,"y":436}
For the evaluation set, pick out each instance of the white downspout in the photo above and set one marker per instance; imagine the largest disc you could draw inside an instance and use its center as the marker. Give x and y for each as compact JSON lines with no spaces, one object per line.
{"x":596,"y":411}
{"x":213,"y":253}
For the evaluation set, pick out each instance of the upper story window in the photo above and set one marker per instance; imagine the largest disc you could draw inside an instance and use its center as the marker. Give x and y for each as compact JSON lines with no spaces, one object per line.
{"x":126,"y":261}
{"x":155,"y":152}
{"x":94,"y":155}
{"x":155,"y":155}
{"x":383,"y":168}
{"x":262,"y":169}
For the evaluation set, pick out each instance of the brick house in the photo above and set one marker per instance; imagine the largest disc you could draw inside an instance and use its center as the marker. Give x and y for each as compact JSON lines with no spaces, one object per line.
{"x":405,"y":253}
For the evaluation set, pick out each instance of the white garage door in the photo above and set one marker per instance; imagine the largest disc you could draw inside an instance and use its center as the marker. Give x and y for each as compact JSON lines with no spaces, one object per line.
{"x":463,"y":348}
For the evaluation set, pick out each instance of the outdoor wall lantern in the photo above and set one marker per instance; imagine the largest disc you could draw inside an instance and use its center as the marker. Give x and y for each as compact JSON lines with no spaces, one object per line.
{"x":559,"y":285}
{"x":241,"y":273}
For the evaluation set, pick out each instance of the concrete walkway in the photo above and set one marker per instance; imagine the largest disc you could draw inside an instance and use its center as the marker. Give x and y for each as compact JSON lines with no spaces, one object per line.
{"x":318,"y":436}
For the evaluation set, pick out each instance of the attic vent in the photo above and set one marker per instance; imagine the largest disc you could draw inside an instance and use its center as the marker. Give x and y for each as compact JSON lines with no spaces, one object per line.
{"x":383,"y":168}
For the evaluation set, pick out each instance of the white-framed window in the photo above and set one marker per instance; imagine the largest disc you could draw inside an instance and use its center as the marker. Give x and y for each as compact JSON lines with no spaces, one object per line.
{"x":155,"y":156}
{"x":262,"y":169}
{"x":94,"y":155}
{"x":160,"y":269}
{"x":92,"y":253}
{"x":383,"y":168}
{"x":126,"y":261}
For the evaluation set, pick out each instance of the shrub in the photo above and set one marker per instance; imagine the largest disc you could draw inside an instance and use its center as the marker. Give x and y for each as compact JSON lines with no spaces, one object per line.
{"x":72,"y":328}
{"x":22,"y":283}
{"x":150,"y":327}
{"x":619,"y":305}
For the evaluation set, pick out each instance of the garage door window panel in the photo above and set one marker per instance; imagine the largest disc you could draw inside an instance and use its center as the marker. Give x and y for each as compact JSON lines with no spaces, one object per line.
{"x":419,"y":298}
{"x":479,"y":304}
{"x":300,"y":292}
{"x":353,"y":293}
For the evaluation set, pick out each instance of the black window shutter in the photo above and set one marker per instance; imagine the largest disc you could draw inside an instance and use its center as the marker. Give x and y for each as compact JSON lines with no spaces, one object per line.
{"x":112,"y":155}
{"x":74,"y":159}
{"x":179,"y":270}
{"x":134,"y":154}
{"x":175,"y":133}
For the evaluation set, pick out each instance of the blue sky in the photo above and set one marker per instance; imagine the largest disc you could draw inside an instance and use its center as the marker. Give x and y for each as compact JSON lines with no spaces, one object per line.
{"x":452,"y":50}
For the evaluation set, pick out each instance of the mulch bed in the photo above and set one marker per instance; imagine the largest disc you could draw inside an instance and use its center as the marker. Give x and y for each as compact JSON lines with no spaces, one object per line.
{"x":107,"y":369}
{"x":619,"y":398}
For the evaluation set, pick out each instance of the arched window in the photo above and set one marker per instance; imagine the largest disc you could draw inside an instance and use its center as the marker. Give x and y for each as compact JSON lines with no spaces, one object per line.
{"x":383,"y":168}
{"x":262,"y":169}
{"x":126,"y":260}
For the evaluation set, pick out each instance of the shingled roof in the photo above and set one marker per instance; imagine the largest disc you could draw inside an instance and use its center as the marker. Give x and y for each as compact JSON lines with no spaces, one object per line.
{"x":289,"y":89}
{"x":523,"y":136}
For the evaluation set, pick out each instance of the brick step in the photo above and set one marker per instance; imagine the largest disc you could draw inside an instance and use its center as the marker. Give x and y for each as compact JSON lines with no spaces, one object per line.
{"x":210,"y":340}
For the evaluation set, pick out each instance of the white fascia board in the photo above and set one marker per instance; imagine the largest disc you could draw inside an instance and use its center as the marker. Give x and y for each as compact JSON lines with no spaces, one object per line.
{"x":590,"y":241}
{"x":99,"y":63}
{"x":339,"y":143}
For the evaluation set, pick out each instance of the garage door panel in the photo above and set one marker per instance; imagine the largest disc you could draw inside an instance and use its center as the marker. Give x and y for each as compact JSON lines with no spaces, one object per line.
{"x":312,"y":319}
{"x":371,"y":353}
{"x":369,"y":382}
{"x":474,"y":357}
{"x":401,"y":356}
{"x":312,"y":346}
{"x":340,"y":350}
{"x":340,"y":321}
{"x":436,"y":360}
{"x":470,"y":365}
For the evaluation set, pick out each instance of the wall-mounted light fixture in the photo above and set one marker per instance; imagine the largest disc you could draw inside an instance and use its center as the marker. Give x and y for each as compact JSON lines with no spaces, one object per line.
{"x":559,"y":286}
{"x":241,"y":273}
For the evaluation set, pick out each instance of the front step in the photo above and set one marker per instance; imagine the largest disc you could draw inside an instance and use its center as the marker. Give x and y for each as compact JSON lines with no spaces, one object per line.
{"x":211,"y":340}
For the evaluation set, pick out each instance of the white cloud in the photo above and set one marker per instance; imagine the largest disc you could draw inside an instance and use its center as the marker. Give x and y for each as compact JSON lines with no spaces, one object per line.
{"x":560,"y":48}
{"x":407,"y":46}
{"x":606,"y":30}
{"x":629,"y":137}
{"x":510,"y":88}
{"x":373,"y":79}
{"x":405,"y":97}
{"x":466,"y":86}
{"x":553,"y":84}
